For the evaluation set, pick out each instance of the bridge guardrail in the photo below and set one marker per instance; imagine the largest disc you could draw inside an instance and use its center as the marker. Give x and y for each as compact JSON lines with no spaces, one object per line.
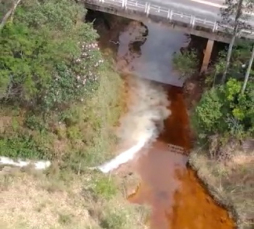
{"x":170,"y":14}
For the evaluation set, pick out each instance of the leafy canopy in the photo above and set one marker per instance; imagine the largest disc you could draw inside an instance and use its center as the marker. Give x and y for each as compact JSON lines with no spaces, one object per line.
{"x":224,"y":110}
{"x":48,"y":56}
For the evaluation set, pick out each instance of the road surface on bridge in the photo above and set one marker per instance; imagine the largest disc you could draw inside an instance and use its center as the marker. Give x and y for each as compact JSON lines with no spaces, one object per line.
{"x":204,"y":9}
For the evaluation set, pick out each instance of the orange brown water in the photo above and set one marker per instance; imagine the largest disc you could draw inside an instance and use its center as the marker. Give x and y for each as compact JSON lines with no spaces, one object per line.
{"x":176,"y":197}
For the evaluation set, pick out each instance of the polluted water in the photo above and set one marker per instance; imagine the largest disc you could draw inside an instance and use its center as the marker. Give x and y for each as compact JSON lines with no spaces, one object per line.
{"x":143,"y":122}
{"x":157,"y":118}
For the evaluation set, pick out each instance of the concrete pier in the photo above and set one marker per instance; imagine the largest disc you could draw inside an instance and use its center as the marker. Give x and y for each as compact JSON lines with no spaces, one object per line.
{"x":207,"y":56}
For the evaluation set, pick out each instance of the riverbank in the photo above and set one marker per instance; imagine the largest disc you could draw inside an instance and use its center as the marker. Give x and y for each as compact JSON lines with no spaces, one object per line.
{"x":68,"y":194}
{"x":230,"y":183}
{"x":177,"y":199}
{"x":168,"y":185}
{"x":62,"y":103}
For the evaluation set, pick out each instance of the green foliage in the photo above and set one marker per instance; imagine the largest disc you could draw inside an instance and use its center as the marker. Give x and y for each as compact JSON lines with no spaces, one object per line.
{"x":208,"y":112}
{"x":105,"y":187}
{"x":217,"y":69}
{"x":5,"y":6}
{"x":48,"y":56}
{"x":186,"y":63}
{"x":34,"y":122}
{"x":113,"y":220}
{"x":238,"y":65}
{"x":52,"y":71}
{"x":22,"y":146}
{"x":224,"y":110}
{"x":74,"y":132}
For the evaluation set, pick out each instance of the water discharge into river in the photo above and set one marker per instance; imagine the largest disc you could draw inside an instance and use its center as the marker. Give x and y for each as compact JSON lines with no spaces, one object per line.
{"x":176,"y":197}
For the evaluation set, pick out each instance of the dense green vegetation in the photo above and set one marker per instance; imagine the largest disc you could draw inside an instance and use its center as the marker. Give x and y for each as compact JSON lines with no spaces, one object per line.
{"x":48,"y":55}
{"x":223,"y":108}
{"x":186,"y":62}
{"x":60,"y":100}
{"x":223,"y":121}
{"x":51,"y":70}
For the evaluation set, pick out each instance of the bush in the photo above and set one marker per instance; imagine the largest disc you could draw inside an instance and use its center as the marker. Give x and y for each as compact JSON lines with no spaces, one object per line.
{"x":186,"y":63}
{"x":22,"y":146}
{"x":224,"y":110}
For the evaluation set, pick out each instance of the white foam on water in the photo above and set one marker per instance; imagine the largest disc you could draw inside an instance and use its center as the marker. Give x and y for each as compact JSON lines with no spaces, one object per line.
{"x":122,"y":158}
{"x":142,"y":123}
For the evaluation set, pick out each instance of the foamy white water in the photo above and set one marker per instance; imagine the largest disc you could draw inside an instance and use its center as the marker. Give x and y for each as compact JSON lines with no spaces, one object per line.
{"x":38,"y":165}
{"x":122,"y":158}
{"x":142,"y":123}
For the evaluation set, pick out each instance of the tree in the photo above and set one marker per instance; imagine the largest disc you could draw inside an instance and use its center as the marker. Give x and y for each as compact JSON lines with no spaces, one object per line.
{"x":234,"y":15}
{"x":247,"y":74}
{"x":48,"y":56}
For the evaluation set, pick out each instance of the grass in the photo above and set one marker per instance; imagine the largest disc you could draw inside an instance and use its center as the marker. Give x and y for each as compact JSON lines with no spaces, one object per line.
{"x":231,"y":185}
{"x":29,"y":201}
{"x":67,"y":195}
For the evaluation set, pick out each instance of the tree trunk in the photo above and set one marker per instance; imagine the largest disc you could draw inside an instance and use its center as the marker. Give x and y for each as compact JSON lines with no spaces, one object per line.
{"x":8,"y":14}
{"x":229,"y":54}
{"x":235,"y":32}
{"x":247,"y":74}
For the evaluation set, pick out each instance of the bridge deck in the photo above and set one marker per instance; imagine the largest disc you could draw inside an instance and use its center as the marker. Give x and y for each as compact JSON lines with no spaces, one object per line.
{"x":198,"y":17}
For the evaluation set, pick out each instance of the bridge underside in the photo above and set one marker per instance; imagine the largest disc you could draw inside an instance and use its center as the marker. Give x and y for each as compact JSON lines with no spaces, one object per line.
{"x":197,"y":31}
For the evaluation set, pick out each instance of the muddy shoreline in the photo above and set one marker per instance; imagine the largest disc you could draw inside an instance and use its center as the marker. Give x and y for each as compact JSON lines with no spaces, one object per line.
{"x":193,"y":90}
{"x":212,"y":192}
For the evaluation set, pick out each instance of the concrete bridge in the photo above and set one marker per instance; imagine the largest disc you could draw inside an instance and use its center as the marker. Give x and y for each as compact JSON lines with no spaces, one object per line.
{"x":197,"y":17}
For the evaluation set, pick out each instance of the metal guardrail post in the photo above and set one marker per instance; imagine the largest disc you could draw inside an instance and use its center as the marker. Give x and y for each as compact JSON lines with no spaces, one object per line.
{"x":124,"y":3}
{"x":215,"y":27}
{"x":192,"y":21}
{"x":148,"y":9}
{"x":170,"y":14}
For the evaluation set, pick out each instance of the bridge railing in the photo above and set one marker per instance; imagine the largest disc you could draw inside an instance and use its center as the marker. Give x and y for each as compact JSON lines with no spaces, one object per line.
{"x":172,"y":15}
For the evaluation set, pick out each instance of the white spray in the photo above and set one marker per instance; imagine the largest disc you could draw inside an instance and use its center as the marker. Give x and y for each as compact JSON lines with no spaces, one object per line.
{"x":144,"y":121}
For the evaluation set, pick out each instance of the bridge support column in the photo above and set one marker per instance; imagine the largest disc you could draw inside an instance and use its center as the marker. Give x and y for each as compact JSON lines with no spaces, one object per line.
{"x":207,"y":56}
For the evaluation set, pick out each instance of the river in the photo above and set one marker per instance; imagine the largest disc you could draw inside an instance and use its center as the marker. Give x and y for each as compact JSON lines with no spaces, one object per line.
{"x":168,"y":185}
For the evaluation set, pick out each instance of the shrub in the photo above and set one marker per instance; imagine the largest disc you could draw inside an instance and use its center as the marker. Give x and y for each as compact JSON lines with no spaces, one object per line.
{"x":186,"y":63}
{"x":34,"y":122}
{"x":105,"y":187}
{"x":22,"y":146}
{"x":208,"y":112}
{"x":224,"y":110}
